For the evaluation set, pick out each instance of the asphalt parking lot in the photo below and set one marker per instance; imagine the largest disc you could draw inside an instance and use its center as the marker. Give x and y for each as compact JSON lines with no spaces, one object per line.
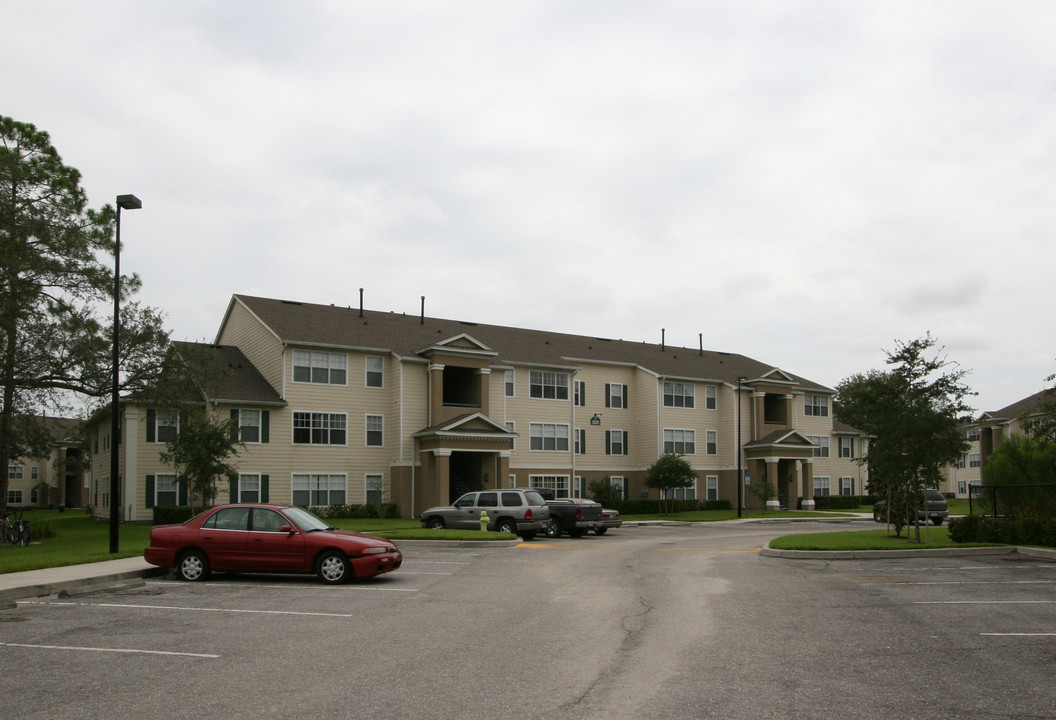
{"x":643,"y":622}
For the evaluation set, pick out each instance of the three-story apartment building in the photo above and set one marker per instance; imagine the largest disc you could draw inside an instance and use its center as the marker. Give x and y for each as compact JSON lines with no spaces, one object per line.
{"x":345,"y":405}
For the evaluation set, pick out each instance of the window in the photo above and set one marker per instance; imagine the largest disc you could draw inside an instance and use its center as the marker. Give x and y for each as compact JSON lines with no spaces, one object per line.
{"x":165,"y":491}
{"x":846,"y":447}
{"x":548,"y":385}
{"x":375,"y":435}
{"x":34,"y":473}
{"x":962,"y":461}
{"x":375,"y":371}
{"x":311,"y":428}
{"x":166,"y":426}
{"x":710,"y":397}
{"x":816,"y":405}
{"x":712,"y":439}
{"x":234,"y":518}
{"x":615,"y":442}
{"x":14,"y":497}
{"x":973,"y":433}
{"x":682,"y":442}
{"x":34,"y":497}
{"x":975,"y":460}
{"x":618,"y":482}
{"x":821,"y":486}
{"x":265,"y":520}
{"x":320,"y":367}
{"x":375,"y":489}
{"x":557,"y":483}
{"x":615,"y":395}
{"x":962,"y":487}
{"x":846,"y":486}
{"x":548,"y":436}
{"x":248,"y":488}
{"x":579,"y":487}
{"x":512,"y":427}
{"x":249,"y":425}
{"x":686,"y":493}
{"x":509,"y":383}
{"x":821,"y":445}
{"x":678,"y":394}
{"x":318,"y":490}
{"x":14,"y":472}
{"x":512,"y":480}
{"x":580,"y":389}
{"x":581,"y":441}
{"x":712,"y":487}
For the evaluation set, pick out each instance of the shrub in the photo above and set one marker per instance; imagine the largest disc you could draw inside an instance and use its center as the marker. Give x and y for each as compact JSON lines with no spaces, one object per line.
{"x":837,"y":502}
{"x":172,"y":515}
{"x":1007,"y":531}
{"x":372,"y":510}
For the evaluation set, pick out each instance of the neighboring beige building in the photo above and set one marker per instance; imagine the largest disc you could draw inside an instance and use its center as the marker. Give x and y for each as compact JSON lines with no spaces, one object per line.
{"x":59,"y":478}
{"x":985,"y":435}
{"x":345,"y":405}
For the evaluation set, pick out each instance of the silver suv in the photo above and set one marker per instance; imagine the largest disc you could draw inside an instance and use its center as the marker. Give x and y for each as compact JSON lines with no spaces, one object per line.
{"x":522,"y":512}
{"x":936,"y":510}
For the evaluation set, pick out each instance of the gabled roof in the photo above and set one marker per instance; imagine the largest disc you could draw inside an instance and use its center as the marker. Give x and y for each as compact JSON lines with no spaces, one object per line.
{"x":1027,"y":406}
{"x":782,"y":438}
{"x":234,"y":379}
{"x":297,"y":323}
{"x":476,"y":425}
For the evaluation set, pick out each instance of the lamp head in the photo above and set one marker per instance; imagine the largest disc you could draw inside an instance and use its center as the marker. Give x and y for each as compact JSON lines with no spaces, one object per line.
{"x":129,"y":202}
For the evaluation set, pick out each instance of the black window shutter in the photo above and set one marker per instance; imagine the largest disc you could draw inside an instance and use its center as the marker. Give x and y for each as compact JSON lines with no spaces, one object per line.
{"x":181,"y":491}
{"x":150,"y":491}
{"x":625,"y":443}
{"x":608,"y":442}
{"x":234,"y":425}
{"x":608,"y":396}
{"x":626,"y":488}
{"x":625,"y":403}
{"x":583,"y":394}
{"x":264,"y":495}
{"x":234,"y":491}
{"x":151,"y":416}
{"x":264,"y":423}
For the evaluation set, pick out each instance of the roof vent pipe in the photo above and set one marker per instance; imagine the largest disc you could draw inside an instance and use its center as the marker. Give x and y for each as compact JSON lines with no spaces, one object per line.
{"x":702,"y":344}
{"x":361,"y":302}
{"x":423,"y":311}
{"x":663,"y":338}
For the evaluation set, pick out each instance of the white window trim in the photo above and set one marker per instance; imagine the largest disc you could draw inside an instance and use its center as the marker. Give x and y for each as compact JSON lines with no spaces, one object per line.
{"x":541,"y":427}
{"x":367,"y":430}
{"x":329,"y":366}
{"x":294,"y":428}
{"x":329,"y":477}
{"x":686,"y":433}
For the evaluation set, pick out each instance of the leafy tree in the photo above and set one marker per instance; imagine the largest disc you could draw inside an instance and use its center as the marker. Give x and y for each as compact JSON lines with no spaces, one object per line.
{"x":1040,"y":422}
{"x":913,"y":414}
{"x":604,"y":492}
{"x":201,"y":454}
{"x":54,"y":292}
{"x":670,"y":471}
{"x":1023,"y":462}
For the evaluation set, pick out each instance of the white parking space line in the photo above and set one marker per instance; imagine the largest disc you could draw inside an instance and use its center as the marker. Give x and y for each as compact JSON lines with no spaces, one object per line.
{"x":1019,"y":634}
{"x":984,"y":602}
{"x":964,"y":582}
{"x":110,"y":650}
{"x":176,"y":608}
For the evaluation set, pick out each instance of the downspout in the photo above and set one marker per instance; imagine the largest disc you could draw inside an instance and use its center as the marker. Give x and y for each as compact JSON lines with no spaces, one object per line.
{"x":572,"y":445}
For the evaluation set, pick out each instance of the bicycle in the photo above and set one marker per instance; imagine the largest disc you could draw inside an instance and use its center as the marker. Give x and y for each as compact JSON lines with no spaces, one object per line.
{"x":15,"y":531}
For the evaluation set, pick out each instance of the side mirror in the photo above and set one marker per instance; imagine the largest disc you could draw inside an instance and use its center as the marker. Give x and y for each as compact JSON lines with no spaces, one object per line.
{"x":287,"y":529}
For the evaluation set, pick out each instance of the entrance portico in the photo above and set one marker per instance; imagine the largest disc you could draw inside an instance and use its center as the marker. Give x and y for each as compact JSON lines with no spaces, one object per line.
{"x":785,"y":460}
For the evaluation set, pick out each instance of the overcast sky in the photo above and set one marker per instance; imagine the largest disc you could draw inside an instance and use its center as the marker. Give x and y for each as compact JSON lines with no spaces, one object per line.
{"x":801,"y":182}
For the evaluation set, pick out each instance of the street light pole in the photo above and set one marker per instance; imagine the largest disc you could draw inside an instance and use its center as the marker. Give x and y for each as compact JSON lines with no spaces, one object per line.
{"x":740,"y":472}
{"x":126,"y":202}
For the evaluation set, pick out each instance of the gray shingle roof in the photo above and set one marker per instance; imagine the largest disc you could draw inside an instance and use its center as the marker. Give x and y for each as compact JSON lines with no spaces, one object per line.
{"x":238,"y":379}
{"x":407,"y":335}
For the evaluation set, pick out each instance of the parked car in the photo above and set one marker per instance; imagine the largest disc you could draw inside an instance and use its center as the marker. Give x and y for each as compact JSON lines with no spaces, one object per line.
{"x":609,"y":519}
{"x":516,"y":510}
{"x":936,"y":508}
{"x":574,"y":516}
{"x":268,"y":538}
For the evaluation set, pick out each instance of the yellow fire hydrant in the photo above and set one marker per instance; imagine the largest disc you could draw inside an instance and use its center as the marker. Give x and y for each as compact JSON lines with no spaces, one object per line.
{"x":484,"y":520}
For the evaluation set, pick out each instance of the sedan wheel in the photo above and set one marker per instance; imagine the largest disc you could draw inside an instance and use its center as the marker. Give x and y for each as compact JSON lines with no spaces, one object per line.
{"x":193,"y":565}
{"x":333,"y":568}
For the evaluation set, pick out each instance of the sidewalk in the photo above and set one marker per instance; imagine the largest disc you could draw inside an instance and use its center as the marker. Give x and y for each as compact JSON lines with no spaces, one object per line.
{"x":73,"y":578}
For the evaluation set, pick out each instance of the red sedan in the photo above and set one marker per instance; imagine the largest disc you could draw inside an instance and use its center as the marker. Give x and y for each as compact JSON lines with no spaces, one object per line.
{"x":268,"y":538}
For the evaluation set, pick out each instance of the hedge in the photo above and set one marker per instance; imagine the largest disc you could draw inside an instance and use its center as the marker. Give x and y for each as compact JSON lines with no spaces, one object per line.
{"x":653,"y":507}
{"x":1007,"y":531}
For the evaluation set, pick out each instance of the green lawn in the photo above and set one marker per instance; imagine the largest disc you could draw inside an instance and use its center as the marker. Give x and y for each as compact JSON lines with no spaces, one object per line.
{"x":879,"y":539}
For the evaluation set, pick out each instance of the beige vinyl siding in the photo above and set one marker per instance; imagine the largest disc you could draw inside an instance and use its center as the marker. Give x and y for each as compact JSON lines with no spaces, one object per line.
{"x":256,"y":342}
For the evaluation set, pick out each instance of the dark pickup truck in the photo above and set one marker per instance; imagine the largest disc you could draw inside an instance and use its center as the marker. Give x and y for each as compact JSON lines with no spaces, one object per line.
{"x":572,"y":516}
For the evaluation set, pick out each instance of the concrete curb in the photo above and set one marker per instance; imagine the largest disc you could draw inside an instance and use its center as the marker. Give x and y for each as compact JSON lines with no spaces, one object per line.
{"x":1038,"y":553}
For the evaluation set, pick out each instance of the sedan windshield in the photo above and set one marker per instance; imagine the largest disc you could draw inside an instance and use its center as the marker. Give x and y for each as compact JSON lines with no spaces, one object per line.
{"x":305,"y":520}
